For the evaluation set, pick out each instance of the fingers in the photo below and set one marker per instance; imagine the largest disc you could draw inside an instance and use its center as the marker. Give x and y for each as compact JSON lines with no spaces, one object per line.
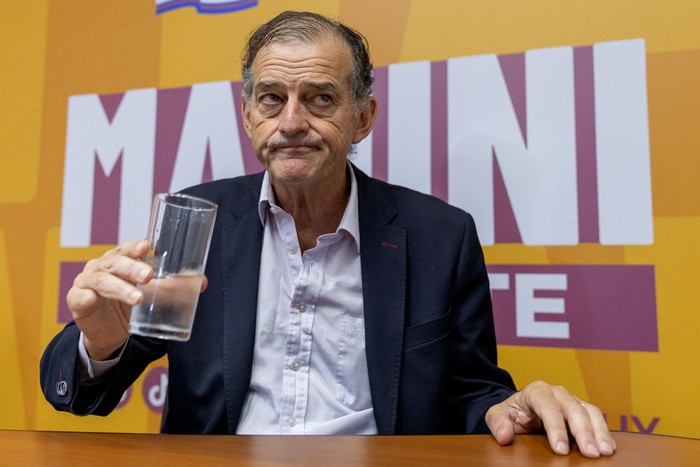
{"x":80,"y":299}
{"x":587,"y":425}
{"x":559,"y":409}
{"x":134,"y":249}
{"x":604,"y":440}
{"x":555,"y":416}
{"x":113,"y":276}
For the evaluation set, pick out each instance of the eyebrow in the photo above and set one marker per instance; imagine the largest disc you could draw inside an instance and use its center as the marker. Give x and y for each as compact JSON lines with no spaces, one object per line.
{"x":322,"y":86}
{"x":265,"y":85}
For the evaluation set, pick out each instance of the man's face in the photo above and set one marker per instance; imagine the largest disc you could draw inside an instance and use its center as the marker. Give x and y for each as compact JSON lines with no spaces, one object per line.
{"x":302,"y":117}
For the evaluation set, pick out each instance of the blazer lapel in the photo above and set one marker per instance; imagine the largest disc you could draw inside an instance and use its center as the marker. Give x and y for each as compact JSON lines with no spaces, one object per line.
{"x":241,"y":247}
{"x":383,"y":258}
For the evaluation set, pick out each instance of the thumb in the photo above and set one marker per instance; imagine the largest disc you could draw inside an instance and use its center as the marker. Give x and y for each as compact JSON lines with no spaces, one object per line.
{"x":500,"y":425}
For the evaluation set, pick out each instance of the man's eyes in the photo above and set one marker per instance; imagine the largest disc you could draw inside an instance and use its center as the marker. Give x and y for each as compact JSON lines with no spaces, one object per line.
{"x":270,"y":98}
{"x":318,"y":98}
{"x":271,"y":102}
{"x":323,"y":98}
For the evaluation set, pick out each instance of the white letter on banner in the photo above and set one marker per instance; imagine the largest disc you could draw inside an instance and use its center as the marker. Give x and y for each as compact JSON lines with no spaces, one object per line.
{"x":499,"y":281}
{"x":622,"y":143}
{"x":210,"y":119}
{"x":527,"y":305}
{"x":540,"y":178}
{"x":409,"y":125}
{"x":90,"y":136}
{"x":363,"y":156}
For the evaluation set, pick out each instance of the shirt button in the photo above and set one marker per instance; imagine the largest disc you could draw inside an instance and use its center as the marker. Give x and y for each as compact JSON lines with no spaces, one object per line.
{"x":302,"y":307}
{"x":296,"y":364}
{"x":292,"y":249}
{"x":291,"y":421}
{"x":274,"y":210}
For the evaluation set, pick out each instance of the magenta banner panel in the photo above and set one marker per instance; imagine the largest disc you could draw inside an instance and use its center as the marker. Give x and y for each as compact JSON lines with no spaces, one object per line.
{"x":575,"y":306}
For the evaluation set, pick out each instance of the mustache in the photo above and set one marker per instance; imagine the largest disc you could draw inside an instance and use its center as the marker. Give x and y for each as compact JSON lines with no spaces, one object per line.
{"x":277,"y":143}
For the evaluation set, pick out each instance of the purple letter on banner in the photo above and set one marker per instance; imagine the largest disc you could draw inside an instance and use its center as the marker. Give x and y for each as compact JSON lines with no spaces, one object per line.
{"x":69,"y":270}
{"x":580,"y":306}
{"x":206,"y":6}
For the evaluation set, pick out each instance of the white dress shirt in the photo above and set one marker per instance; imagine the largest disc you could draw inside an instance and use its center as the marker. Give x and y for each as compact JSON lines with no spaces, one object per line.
{"x":309,"y":368}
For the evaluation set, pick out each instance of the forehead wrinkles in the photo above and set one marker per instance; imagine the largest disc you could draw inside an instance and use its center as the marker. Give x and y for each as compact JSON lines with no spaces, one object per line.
{"x":316,"y":67}
{"x":295,"y":61}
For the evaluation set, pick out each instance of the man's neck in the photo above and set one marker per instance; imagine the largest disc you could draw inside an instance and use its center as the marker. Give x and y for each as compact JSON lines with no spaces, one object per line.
{"x":316,"y":210}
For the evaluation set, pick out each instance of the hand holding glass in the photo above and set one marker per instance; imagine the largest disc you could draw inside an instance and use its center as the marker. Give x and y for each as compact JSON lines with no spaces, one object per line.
{"x":179,"y":234}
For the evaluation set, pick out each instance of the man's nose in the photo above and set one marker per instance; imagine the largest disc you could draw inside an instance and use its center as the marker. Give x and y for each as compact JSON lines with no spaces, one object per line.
{"x":293,"y":118}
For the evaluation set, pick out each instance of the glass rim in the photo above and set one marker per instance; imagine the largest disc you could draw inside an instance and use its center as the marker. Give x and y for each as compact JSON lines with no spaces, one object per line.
{"x":204,"y":204}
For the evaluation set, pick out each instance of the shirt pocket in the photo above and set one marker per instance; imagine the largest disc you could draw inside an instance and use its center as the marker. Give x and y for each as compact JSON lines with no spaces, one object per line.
{"x":352,"y":378}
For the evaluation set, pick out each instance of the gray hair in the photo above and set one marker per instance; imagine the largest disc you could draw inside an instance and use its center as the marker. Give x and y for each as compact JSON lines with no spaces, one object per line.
{"x":306,"y":27}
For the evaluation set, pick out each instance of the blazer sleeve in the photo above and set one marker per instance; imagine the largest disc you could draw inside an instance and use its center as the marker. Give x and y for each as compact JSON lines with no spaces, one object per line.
{"x":477,"y":381}
{"x":60,"y":378}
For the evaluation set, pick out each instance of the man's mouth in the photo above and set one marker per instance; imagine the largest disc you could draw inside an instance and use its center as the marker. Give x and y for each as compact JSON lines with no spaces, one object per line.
{"x":294,"y":148}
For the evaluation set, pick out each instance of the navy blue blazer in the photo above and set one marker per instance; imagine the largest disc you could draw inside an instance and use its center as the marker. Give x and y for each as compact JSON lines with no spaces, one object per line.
{"x":430,"y":340}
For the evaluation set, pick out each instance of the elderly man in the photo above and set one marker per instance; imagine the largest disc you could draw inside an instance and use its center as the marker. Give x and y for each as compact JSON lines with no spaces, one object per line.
{"x":335,"y":303}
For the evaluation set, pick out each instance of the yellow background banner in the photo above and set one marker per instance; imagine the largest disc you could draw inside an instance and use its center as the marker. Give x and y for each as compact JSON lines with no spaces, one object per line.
{"x":53,"y":50}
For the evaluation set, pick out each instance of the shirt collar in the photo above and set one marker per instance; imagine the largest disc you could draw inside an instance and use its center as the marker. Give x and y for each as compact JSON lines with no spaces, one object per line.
{"x":349,"y":222}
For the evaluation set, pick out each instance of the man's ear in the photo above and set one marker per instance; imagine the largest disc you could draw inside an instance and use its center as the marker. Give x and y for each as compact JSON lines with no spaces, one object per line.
{"x":245,"y":114}
{"x":365,"y":121}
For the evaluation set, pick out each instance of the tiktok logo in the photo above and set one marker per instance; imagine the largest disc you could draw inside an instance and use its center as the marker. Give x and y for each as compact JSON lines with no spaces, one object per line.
{"x":155,"y":388}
